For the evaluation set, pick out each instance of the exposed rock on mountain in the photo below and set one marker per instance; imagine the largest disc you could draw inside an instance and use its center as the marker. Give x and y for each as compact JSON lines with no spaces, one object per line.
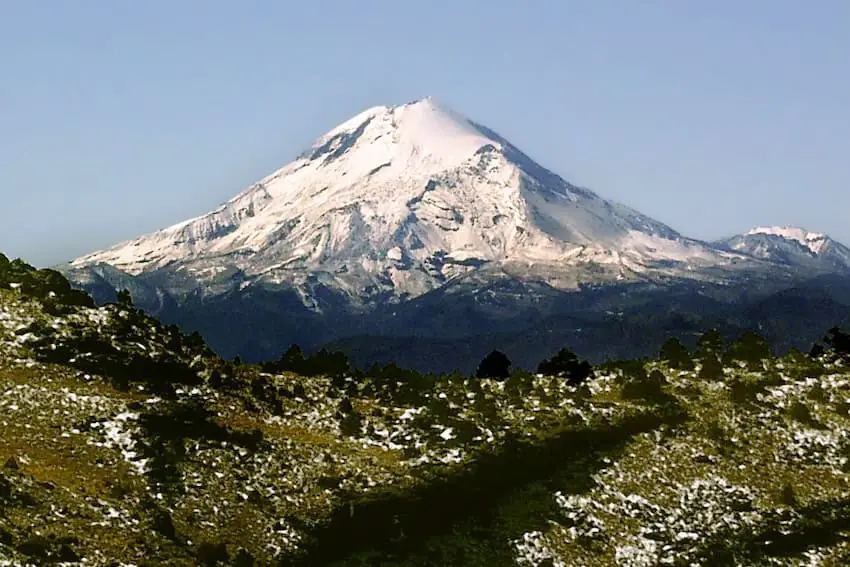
{"x":791,"y":246}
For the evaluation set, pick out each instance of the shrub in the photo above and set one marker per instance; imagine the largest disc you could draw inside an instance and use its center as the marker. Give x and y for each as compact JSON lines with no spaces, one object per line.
{"x":646,"y":387}
{"x":711,"y":369}
{"x":838,"y":341}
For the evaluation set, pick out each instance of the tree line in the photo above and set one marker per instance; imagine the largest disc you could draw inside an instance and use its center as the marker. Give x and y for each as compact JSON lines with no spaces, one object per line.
{"x":712,"y":353}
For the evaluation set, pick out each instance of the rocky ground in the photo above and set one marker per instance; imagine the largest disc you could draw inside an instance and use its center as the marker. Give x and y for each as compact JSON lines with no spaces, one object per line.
{"x":125,"y":442}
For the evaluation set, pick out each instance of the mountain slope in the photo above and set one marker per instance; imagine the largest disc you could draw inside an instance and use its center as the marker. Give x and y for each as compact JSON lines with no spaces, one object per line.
{"x":394,"y":203}
{"x":791,"y":246}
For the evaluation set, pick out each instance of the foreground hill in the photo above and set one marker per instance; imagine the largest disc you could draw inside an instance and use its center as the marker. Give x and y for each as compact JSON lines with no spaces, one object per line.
{"x":126,"y":442}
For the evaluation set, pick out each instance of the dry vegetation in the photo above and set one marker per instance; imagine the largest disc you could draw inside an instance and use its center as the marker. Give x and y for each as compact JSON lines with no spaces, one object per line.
{"x":124,"y":442}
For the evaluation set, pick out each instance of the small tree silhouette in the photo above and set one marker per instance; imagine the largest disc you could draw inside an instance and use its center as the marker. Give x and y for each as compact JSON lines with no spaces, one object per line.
{"x":494,"y":365}
{"x":676,"y":355}
{"x":292,"y":360}
{"x":328,"y":363}
{"x":749,"y":348}
{"x":712,"y":368}
{"x":565,"y":364}
{"x":124,"y":298}
{"x":709,"y":351}
{"x":838,"y":341}
{"x":710,"y":344}
{"x":835,"y":343}
{"x":351,"y":424}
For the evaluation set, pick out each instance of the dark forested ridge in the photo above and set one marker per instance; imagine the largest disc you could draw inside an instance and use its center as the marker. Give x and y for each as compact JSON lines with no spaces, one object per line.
{"x":124,"y":440}
{"x":447,"y":330}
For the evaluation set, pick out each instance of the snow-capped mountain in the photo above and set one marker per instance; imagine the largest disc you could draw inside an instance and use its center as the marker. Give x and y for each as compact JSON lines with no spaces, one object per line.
{"x":397,"y":201}
{"x":412,"y":223}
{"x":792,"y":246}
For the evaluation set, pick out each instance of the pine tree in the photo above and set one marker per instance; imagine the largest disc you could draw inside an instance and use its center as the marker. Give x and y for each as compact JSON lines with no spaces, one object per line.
{"x":749,"y":348}
{"x":838,"y":341}
{"x":676,"y":355}
{"x":125,"y":299}
{"x":565,"y":364}
{"x":710,"y":344}
{"x":494,"y":365}
{"x":712,"y":368}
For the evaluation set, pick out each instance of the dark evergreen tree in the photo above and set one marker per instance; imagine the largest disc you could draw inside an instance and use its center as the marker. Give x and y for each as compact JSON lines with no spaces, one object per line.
{"x":195,"y":341}
{"x":351,"y":424}
{"x":676,"y":355}
{"x":124,"y":298}
{"x":327,"y":363}
{"x":709,"y":353}
{"x":835,"y":343}
{"x":565,"y":364}
{"x":494,"y":365}
{"x":290,"y":361}
{"x":711,"y":369}
{"x":838,"y":341}
{"x":710,"y":344}
{"x":749,"y":348}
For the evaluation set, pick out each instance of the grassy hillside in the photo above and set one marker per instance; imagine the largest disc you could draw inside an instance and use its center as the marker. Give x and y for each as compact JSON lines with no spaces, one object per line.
{"x":124,"y":442}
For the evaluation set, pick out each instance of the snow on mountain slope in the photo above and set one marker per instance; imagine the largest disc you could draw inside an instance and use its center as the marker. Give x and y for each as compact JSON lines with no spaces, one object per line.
{"x":791,"y":246}
{"x":814,"y":241}
{"x":398,"y":200}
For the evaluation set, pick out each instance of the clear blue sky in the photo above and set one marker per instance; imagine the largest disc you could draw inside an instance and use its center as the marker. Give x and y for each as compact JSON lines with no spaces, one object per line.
{"x":119,"y":118}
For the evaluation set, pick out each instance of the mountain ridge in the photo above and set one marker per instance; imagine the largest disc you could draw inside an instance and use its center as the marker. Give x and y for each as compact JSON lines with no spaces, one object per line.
{"x":791,"y":245}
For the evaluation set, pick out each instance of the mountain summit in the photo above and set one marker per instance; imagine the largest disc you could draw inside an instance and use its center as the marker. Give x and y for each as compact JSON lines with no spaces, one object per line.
{"x":397,"y":201}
